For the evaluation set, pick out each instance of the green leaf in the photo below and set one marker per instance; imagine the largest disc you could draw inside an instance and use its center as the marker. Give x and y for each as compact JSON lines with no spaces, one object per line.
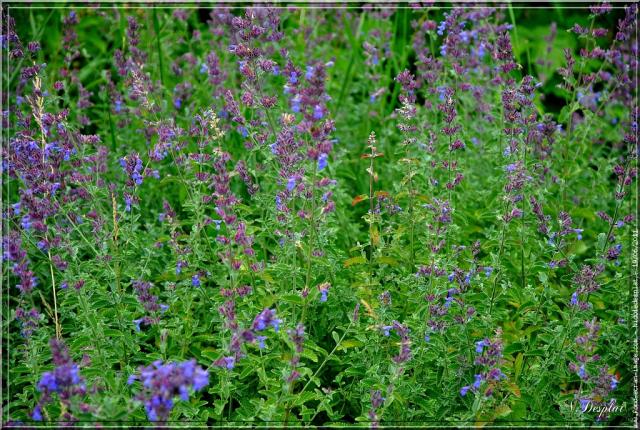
{"x":292,"y":298}
{"x":350,"y":343}
{"x":354,"y":261}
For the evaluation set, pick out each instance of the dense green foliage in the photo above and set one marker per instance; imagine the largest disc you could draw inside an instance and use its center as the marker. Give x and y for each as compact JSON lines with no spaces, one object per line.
{"x":351,"y":215}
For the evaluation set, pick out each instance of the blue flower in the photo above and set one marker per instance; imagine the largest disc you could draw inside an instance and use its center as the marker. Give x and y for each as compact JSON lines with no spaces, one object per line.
{"x":578,"y":231}
{"x":309,"y":73}
{"x":37,"y":413}
{"x":261,"y":340}
{"x":318,"y":112}
{"x":295,"y":104}
{"x":478,"y":381}
{"x":26,"y":222}
{"x":48,"y":382}
{"x":195,"y":280}
{"x":480,"y":346}
{"x":574,"y":298}
{"x":323,"y":296}
{"x":293,"y":78}
{"x":582,"y":373}
{"x":243,"y":131}
{"x":464,"y":390}
{"x":614,"y":382}
{"x":386,"y":329}
{"x":291,"y":183}
{"x":322,"y":161}
{"x":137,"y":323}
{"x":266,"y":318}
{"x":231,"y":362}
{"x":584,"y":403}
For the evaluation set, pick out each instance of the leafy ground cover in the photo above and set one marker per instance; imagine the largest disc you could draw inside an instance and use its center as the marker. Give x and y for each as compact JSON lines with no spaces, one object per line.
{"x":365,"y":215}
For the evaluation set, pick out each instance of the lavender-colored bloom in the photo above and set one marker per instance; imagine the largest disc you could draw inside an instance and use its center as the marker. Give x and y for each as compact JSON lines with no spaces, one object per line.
{"x":243,"y":131}
{"x":309,"y":74}
{"x":295,"y":104}
{"x":322,"y":161}
{"x":614,"y":382}
{"x":195,"y":280}
{"x":65,"y":380}
{"x":36,"y":415}
{"x":574,"y":298}
{"x":323,"y":295}
{"x":318,"y":113}
{"x":582,"y":373}
{"x":29,"y":321}
{"x":266,"y":318}
{"x":164,"y":382}
{"x":226,"y":362}
{"x":447,"y":301}
{"x":477,"y":382}
{"x":291,"y":183}
{"x":261,"y":340}
{"x":132,"y":165}
{"x":584,"y":403}
{"x":464,"y":390}
{"x":578,"y":232}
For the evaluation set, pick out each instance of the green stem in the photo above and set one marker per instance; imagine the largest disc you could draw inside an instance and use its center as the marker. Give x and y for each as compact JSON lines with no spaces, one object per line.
{"x":156,"y":29}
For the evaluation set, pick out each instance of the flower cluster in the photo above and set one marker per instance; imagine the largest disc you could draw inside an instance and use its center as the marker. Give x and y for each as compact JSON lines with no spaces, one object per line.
{"x":489,"y":357}
{"x":297,"y":338}
{"x":163,"y":382}
{"x":65,"y":381}
{"x":598,"y":378}
{"x":149,"y":302}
